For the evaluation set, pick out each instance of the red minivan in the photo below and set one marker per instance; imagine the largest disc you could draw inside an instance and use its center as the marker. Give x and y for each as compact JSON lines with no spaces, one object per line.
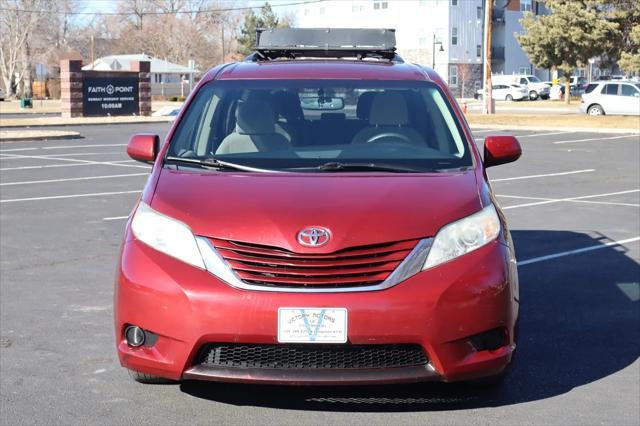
{"x":318,"y":214}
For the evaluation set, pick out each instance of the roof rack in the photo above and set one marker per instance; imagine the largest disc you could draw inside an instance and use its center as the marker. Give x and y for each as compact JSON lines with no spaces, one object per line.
{"x":292,"y":43}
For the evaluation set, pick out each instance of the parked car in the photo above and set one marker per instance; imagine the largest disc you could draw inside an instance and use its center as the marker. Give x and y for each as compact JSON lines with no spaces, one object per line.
{"x":611,"y":97}
{"x":314,"y":221}
{"x":1,"y":94}
{"x":535,"y":88}
{"x":503,"y":92}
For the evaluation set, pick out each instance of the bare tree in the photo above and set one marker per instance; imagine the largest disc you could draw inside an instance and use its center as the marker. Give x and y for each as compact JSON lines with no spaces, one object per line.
{"x":18,"y":19}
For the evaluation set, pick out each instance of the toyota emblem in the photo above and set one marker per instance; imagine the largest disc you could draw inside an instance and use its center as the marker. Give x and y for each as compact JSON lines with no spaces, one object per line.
{"x":314,"y":237}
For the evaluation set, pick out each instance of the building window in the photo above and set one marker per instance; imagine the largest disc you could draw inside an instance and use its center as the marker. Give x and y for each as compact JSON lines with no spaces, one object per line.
{"x":454,"y":36}
{"x":478,"y":50}
{"x":322,"y":11}
{"x":454,"y":2}
{"x":357,"y":8}
{"x":453,"y":76}
{"x":380,"y":5}
{"x":479,"y":13}
{"x":422,"y":41}
{"x":525,"y":5}
{"x":307,"y":12}
{"x":423,"y":3}
{"x":523,"y":70}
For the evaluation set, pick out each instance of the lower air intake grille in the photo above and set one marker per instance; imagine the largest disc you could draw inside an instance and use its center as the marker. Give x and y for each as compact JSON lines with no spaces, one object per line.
{"x":312,"y":356}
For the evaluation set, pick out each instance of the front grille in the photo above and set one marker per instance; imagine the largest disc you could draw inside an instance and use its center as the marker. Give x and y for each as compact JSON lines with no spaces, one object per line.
{"x":312,"y":356}
{"x":351,"y":267}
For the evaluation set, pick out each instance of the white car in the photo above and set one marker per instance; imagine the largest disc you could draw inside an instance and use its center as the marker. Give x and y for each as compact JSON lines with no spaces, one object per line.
{"x":535,"y":88}
{"x":612,"y":98}
{"x":504,"y":92}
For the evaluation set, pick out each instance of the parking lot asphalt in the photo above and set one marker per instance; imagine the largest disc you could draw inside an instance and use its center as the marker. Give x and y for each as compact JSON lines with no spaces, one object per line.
{"x":573,"y":204}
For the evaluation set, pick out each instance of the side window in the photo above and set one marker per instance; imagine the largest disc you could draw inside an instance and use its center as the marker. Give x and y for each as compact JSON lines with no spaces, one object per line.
{"x":454,"y":36}
{"x":611,"y":89}
{"x":590,"y":88}
{"x":523,"y":81}
{"x":629,"y":90}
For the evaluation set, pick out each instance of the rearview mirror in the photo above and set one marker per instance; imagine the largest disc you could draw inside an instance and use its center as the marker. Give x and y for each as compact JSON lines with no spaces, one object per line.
{"x":501,"y":150}
{"x":321,"y":103}
{"x":144,"y":147}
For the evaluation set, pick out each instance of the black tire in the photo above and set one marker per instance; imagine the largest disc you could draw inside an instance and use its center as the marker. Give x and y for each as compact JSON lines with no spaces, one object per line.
{"x":544,"y":97}
{"x":595,"y":109}
{"x":508,"y":98}
{"x":148,"y":378}
{"x":533,"y":95}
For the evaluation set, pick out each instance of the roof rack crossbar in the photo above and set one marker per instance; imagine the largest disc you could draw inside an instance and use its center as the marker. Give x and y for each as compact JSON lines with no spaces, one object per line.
{"x":325,"y":43}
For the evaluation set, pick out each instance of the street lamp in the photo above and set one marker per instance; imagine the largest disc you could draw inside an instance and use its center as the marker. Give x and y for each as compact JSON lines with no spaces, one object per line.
{"x":433,"y":51}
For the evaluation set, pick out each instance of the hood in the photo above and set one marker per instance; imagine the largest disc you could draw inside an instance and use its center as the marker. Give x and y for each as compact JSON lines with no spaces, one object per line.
{"x":357,"y":208}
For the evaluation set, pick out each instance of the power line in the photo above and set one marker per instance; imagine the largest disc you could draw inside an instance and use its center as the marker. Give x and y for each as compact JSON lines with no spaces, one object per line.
{"x":189,"y":12}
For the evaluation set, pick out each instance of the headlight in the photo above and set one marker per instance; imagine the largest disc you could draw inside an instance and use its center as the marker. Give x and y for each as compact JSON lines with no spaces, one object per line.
{"x":463,"y":236}
{"x":167,"y":235}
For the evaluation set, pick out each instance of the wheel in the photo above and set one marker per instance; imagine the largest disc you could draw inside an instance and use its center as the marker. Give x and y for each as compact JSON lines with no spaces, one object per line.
{"x":509,"y":98}
{"x":595,"y":109}
{"x":544,"y":97}
{"x":148,"y":378}
{"x":533,"y":95}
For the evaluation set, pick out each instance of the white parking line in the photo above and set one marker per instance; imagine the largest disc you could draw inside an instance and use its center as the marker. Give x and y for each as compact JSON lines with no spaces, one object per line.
{"x":18,"y":149}
{"x":61,"y":147}
{"x":598,"y":139}
{"x":4,"y":156}
{"x":535,"y":135}
{"x":115,"y":218}
{"x":44,"y":157}
{"x":559,"y":200}
{"x":581,"y":250}
{"x":72,"y":179}
{"x":83,"y":146}
{"x":544,"y":175}
{"x":611,"y":203}
{"x":58,"y":197}
{"x":91,"y":163}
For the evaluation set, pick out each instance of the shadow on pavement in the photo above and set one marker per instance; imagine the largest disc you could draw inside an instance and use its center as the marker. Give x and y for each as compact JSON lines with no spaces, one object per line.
{"x":579,"y":319}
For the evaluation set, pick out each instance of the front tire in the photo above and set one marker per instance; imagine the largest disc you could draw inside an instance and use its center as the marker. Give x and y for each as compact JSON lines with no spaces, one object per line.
{"x":148,"y":378}
{"x":595,"y":109}
{"x":509,"y":98}
{"x":533,"y":95}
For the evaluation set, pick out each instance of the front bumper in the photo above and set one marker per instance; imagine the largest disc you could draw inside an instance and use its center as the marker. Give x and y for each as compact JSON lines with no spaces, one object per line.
{"x":438,"y":309}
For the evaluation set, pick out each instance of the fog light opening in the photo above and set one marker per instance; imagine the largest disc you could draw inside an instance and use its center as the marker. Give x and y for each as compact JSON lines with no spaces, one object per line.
{"x":134,"y":336}
{"x":489,"y":340}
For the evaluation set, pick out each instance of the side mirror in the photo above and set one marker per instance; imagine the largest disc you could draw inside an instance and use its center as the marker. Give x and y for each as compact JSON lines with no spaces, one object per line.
{"x":144,"y":147}
{"x":501,"y":150}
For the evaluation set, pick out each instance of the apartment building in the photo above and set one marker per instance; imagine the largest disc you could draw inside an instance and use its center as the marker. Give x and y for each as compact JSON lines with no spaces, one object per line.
{"x":507,"y":57}
{"x":445,"y":34}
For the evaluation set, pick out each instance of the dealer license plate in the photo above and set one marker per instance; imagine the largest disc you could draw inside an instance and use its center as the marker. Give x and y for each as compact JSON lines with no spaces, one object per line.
{"x":312,"y":325}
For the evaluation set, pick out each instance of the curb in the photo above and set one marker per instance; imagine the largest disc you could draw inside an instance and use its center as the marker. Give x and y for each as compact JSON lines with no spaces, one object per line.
{"x":80,"y":123}
{"x":40,"y":138}
{"x":555,"y":128}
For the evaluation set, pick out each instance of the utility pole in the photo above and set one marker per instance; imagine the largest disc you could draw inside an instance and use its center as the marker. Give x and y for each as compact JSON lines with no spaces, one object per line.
{"x":93,"y":52}
{"x":489,"y":106}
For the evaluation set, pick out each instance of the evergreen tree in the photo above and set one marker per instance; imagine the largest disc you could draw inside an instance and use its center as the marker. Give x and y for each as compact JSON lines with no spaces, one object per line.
{"x":252,"y":21}
{"x":574,"y":32}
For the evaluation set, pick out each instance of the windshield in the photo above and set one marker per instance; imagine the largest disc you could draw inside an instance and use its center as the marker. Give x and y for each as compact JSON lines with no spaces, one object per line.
{"x":300,"y":125}
{"x":533,"y":79}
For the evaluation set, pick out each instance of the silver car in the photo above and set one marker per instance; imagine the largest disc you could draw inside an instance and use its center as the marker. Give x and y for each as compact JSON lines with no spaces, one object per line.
{"x":612,"y":98}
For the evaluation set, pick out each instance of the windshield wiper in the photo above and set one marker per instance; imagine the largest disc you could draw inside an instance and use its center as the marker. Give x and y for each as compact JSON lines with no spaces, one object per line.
{"x":218,"y":164}
{"x":340,"y":167}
